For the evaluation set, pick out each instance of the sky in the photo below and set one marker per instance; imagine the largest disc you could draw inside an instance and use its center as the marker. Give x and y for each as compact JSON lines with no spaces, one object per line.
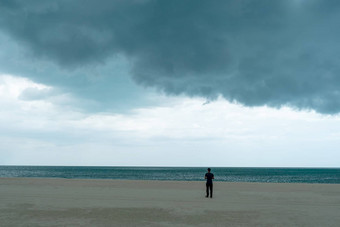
{"x":237,"y":83}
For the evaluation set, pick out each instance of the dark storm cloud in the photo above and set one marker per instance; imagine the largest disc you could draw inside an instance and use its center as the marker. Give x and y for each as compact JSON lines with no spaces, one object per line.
{"x":254,"y":52}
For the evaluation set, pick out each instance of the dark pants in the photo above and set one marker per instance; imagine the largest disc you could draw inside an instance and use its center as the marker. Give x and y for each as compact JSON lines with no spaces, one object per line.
{"x":209,"y":188}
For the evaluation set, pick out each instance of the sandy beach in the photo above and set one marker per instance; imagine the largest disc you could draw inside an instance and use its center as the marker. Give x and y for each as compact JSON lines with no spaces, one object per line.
{"x":74,"y":202}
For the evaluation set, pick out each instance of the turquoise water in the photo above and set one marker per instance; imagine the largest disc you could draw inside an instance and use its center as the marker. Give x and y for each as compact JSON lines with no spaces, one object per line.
{"x":275,"y":175}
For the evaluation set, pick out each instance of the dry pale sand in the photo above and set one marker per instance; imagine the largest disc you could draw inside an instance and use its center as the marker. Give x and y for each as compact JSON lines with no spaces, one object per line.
{"x":62,"y":202}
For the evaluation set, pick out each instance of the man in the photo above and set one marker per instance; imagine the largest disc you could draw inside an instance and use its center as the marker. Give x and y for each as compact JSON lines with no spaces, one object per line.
{"x":209,"y":176}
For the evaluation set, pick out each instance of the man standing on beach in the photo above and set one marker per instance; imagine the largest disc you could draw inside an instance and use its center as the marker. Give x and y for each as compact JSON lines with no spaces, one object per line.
{"x":209,"y":176}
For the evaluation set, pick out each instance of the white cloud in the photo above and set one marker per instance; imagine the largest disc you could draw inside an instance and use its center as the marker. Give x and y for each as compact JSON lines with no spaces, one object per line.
{"x":182,"y":131}
{"x":12,"y":87}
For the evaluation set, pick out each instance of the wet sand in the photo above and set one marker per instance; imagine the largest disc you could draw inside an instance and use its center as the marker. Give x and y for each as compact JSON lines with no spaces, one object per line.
{"x":73,"y":202}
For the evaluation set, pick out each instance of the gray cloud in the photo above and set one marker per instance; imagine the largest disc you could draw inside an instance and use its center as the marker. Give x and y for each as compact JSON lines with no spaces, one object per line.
{"x":253,"y":52}
{"x":36,"y":94}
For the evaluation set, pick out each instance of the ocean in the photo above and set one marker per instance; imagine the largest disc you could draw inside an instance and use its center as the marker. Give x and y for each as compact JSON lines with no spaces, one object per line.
{"x":234,"y":174}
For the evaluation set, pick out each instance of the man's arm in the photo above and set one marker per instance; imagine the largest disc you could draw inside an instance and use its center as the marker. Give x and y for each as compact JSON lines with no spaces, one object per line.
{"x":205,"y":177}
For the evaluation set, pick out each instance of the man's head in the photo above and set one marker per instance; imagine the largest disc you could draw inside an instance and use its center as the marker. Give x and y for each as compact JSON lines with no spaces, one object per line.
{"x":209,"y":169}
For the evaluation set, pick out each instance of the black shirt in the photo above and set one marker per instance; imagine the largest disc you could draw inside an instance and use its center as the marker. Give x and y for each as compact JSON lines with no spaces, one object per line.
{"x":209,"y":177}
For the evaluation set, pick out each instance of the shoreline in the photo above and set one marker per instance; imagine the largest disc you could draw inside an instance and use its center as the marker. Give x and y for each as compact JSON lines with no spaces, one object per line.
{"x":160,"y":180}
{"x":102,"y":202}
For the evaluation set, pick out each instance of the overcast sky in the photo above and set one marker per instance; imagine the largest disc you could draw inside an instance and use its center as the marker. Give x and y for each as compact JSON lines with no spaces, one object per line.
{"x":170,"y":83}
